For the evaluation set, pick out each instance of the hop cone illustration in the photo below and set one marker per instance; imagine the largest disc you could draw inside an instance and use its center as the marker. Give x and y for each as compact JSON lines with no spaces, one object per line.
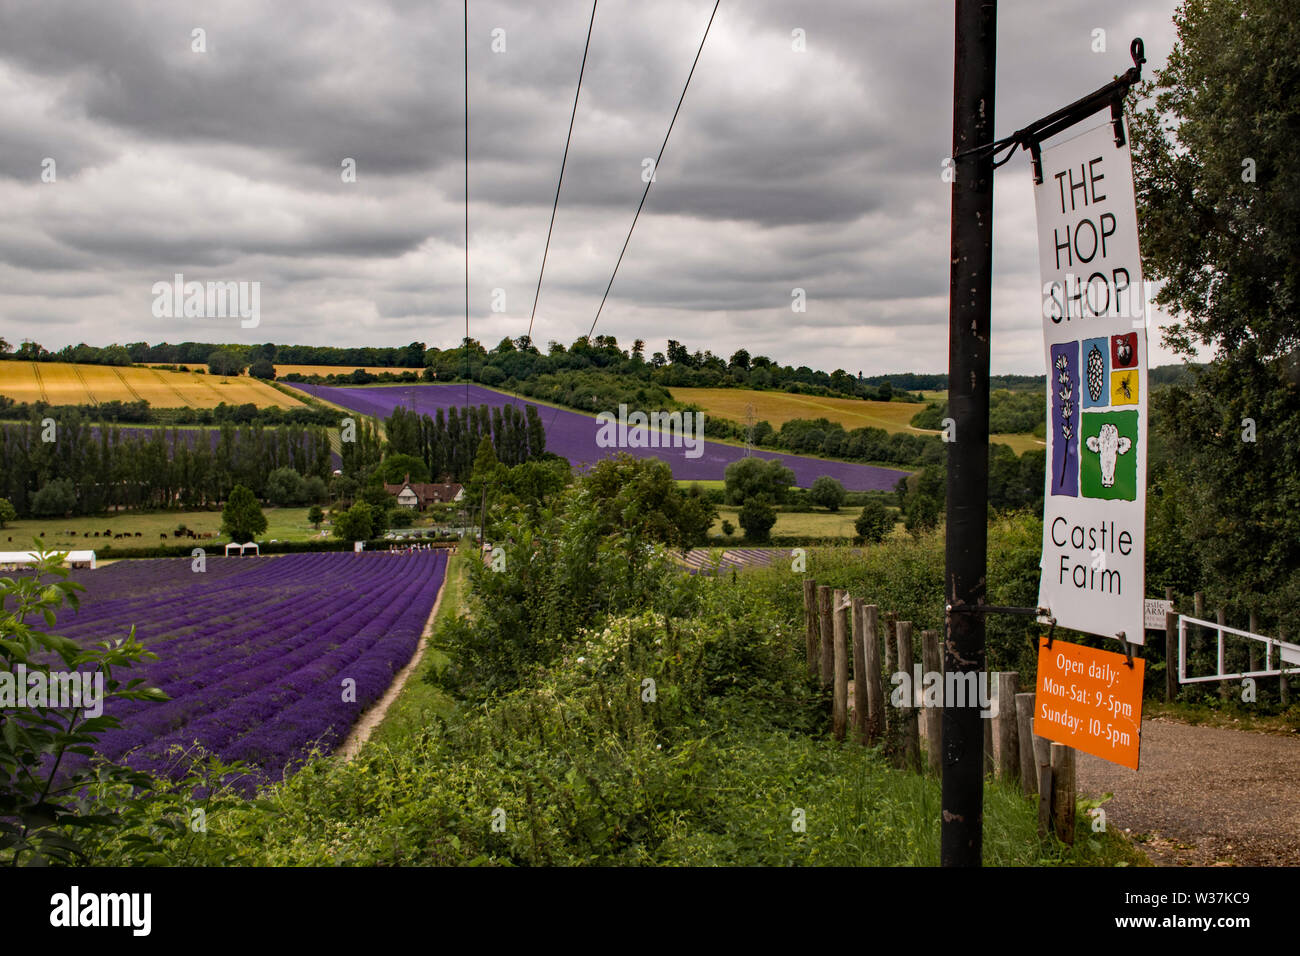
{"x":1094,"y":373}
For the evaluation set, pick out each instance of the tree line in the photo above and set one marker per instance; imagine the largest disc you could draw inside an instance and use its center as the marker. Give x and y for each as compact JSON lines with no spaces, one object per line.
{"x":448,"y":442}
{"x":77,"y":467}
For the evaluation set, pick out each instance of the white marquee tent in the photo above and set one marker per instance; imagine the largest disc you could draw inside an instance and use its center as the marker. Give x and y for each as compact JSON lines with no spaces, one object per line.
{"x":73,"y":559}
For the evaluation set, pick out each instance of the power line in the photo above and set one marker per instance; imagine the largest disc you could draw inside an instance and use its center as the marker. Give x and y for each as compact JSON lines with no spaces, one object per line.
{"x":650,"y":180}
{"x":465,"y":344}
{"x":563,"y":162}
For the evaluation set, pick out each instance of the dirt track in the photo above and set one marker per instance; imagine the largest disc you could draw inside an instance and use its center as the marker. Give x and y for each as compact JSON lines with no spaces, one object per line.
{"x":1205,"y":796}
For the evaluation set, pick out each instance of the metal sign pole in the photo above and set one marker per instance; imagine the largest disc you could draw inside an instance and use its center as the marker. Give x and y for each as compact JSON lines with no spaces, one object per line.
{"x":968,"y":404}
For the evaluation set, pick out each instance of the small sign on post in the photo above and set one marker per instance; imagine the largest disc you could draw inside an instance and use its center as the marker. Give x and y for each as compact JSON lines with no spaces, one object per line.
{"x":1090,"y":700}
{"x":1153,"y":613}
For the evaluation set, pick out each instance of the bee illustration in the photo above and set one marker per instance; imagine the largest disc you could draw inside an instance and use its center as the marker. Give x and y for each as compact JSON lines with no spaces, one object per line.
{"x":1125,"y":388}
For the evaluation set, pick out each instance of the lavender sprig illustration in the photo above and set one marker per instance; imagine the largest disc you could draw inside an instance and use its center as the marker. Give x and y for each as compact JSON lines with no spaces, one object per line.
{"x":1065,"y":394}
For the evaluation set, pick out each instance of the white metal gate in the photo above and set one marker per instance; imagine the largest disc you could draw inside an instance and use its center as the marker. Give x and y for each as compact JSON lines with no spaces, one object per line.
{"x":1287,"y":655}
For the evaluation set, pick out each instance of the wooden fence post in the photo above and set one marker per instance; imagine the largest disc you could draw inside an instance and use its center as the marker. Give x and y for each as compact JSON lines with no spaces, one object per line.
{"x":891,"y":667}
{"x":840,"y":701}
{"x":988,"y":733}
{"x":1042,"y":756}
{"x":1025,"y":733}
{"x":1063,"y":803}
{"x":1044,"y":799}
{"x":1008,"y":747}
{"x":1171,"y":649}
{"x":875,"y":686}
{"x":827,"y":630}
{"x":812,"y":637}
{"x":860,"y":704}
{"x":932,"y":663}
{"x":911,"y":749}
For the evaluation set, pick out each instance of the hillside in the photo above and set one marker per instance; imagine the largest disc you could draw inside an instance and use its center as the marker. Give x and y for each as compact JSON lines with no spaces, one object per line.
{"x":60,"y":383}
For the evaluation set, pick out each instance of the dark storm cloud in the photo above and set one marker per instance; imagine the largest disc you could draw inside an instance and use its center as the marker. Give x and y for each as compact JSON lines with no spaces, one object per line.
{"x":818,"y":169}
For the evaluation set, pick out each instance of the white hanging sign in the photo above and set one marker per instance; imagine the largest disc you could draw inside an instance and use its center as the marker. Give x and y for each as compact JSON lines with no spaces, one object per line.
{"x":1095,"y":343}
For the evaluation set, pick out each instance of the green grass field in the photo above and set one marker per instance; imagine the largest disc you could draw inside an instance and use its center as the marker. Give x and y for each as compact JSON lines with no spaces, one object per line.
{"x":808,"y":524}
{"x":283,"y":524}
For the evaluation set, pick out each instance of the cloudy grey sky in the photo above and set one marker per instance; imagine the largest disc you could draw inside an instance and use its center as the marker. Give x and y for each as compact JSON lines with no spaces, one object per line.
{"x":817,"y":169}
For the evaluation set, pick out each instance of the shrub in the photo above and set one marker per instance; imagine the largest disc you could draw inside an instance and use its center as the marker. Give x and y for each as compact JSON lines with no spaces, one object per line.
{"x":757,"y":516}
{"x":874,"y":523}
{"x":827,"y":492}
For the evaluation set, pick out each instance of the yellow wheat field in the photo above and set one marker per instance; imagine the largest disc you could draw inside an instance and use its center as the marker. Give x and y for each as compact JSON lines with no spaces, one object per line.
{"x":777,"y":408}
{"x":61,"y":383}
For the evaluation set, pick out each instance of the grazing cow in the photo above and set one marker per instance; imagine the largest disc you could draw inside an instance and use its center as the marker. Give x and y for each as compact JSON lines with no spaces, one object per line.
{"x":137,"y":534}
{"x":1108,"y":445}
{"x":163,"y":535}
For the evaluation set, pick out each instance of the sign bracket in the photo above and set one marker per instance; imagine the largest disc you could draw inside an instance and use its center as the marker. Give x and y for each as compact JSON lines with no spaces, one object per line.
{"x":1112,"y":95}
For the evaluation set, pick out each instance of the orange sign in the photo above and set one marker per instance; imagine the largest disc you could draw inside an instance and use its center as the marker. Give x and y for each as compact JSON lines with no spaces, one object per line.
{"x":1089,"y":700}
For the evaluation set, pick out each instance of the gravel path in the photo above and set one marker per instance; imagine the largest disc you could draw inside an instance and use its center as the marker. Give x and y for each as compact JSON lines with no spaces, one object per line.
{"x":1205,"y":796}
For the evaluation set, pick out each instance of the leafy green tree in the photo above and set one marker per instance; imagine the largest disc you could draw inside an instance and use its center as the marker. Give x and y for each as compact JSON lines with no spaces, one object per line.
{"x":313,"y":489}
{"x":751,"y":477}
{"x":225,"y":362}
{"x":242,"y":517}
{"x":728,"y":528}
{"x":874,"y":522}
{"x":315,"y":515}
{"x":394,"y":469}
{"x":757,"y":516}
{"x":827,"y":493}
{"x":639,"y":497}
{"x":355,"y":524}
{"x":7,"y":512}
{"x":922,"y":499}
{"x":56,"y":498}
{"x":284,"y":487}
{"x":1220,"y":228}
{"x":263,"y":369}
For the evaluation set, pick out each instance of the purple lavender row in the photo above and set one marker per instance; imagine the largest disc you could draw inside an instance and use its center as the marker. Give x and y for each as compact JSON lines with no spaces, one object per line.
{"x":573,"y":435}
{"x":257,"y":673}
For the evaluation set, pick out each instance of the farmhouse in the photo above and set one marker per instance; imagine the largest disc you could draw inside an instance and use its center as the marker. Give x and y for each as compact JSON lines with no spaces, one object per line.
{"x":419,"y":494}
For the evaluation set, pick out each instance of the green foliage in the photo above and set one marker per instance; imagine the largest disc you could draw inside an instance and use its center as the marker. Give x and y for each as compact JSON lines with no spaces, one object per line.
{"x":1221,"y":232}
{"x":827,"y":493}
{"x":262,"y":369}
{"x":751,"y":477}
{"x":921,"y":499}
{"x":285,"y":487}
{"x":242,"y":517}
{"x":874,"y":522}
{"x":639,"y":497}
{"x":316,"y":516}
{"x":395,"y":467}
{"x":225,"y":362}
{"x":357,"y":523}
{"x":57,"y":497}
{"x":7,"y":512}
{"x":42,"y":817}
{"x":757,"y":516}
{"x":728,"y":528}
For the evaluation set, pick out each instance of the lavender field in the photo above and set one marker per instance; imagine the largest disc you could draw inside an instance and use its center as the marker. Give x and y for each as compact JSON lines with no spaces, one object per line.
{"x":573,"y":435}
{"x":254,"y":651}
